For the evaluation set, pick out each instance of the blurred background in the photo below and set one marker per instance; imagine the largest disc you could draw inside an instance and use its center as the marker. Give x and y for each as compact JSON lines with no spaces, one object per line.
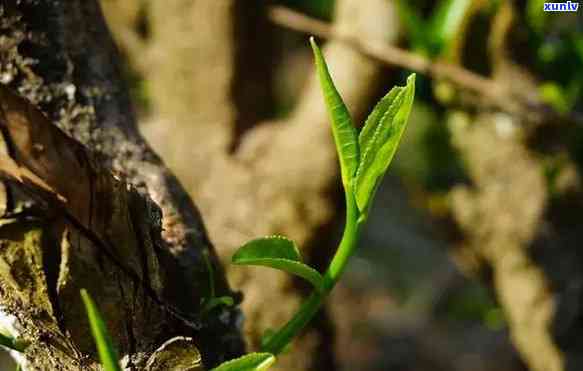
{"x":471,"y":260}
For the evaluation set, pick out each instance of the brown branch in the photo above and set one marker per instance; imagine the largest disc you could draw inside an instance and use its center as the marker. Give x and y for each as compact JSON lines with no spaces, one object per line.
{"x":496,"y":93}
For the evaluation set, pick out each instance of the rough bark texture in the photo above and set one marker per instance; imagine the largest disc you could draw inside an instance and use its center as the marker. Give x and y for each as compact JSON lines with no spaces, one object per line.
{"x":147,"y":272}
{"x":209,"y":77}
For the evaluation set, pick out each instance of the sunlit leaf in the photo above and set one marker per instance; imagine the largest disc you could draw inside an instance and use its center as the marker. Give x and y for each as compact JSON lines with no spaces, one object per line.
{"x":379,"y":140}
{"x":371,"y":125}
{"x":107,"y":353}
{"x":276,"y":252}
{"x":342,"y":128}
{"x":249,"y":362}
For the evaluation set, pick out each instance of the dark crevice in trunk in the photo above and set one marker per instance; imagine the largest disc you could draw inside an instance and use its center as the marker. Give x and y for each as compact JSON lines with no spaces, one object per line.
{"x":252,"y":84}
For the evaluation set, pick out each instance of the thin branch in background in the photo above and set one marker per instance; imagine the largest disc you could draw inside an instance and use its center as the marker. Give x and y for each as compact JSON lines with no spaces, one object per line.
{"x":495,"y":93}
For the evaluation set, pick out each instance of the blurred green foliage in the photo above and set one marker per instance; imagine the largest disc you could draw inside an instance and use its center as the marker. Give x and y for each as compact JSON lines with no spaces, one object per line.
{"x":473,"y":302}
{"x":556,"y":41}
{"x":432,"y":36}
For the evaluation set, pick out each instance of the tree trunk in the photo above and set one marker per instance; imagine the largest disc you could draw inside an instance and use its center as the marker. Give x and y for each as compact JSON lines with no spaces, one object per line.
{"x":93,"y":208}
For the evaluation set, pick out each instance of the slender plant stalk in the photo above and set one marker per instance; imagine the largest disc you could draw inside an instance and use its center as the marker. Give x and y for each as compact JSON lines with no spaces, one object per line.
{"x":278,"y":341}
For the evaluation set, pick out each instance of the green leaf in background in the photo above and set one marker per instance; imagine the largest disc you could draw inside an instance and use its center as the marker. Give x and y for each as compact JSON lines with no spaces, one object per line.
{"x":535,"y":15}
{"x":276,"y":252}
{"x":105,"y":348}
{"x":249,"y":362}
{"x":415,"y":27}
{"x":342,"y":127}
{"x":446,"y":22}
{"x":379,"y":140}
{"x":11,"y":342}
{"x":578,"y":43}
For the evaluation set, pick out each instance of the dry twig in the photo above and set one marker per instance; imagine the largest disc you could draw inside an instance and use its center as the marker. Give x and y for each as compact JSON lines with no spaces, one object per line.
{"x":495,"y":93}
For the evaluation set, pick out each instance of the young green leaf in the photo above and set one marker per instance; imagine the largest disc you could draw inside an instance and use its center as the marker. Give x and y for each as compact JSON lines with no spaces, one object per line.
{"x":249,"y":362}
{"x":371,"y":125}
{"x":342,"y":127}
{"x":379,"y":140}
{"x":276,"y":252}
{"x":105,"y":348}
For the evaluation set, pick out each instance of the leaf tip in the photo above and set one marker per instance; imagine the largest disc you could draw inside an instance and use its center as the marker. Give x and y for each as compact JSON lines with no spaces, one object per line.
{"x":313,"y":42}
{"x":411,"y":79}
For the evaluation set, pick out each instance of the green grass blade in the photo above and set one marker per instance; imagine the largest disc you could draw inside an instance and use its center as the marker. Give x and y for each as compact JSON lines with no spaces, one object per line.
{"x":249,"y":362}
{"x":105,"y":348}
{"x":11,"y":342}
{"x":379,"y":140}
{"x":343,"y":130}
{"x":279,"y":253}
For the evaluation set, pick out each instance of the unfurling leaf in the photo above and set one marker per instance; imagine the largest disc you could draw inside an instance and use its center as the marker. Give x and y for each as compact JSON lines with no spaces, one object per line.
{"x":276,"y":252}
{"x":343,"y":130}
{"x":107,"y":353}
{"x":379,"y":139}
{"x":249,"y":362}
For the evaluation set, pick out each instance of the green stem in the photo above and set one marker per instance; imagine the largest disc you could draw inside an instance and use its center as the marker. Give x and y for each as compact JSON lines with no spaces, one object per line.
{"x":277,"y":342}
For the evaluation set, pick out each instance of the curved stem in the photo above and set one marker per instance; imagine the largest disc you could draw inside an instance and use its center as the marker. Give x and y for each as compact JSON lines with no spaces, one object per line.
{"x":276,"y":343}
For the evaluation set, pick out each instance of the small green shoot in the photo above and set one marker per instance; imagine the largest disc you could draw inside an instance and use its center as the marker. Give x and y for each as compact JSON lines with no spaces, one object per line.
{"x":277,"y":252}
{"x":249,"y":362}
{"x":107,"y":353}
{"x":364,"y":159}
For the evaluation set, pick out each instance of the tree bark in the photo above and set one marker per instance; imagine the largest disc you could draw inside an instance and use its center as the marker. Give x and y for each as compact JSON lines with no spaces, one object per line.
{"x":208,"y":66}
{"x":83,"y":212}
